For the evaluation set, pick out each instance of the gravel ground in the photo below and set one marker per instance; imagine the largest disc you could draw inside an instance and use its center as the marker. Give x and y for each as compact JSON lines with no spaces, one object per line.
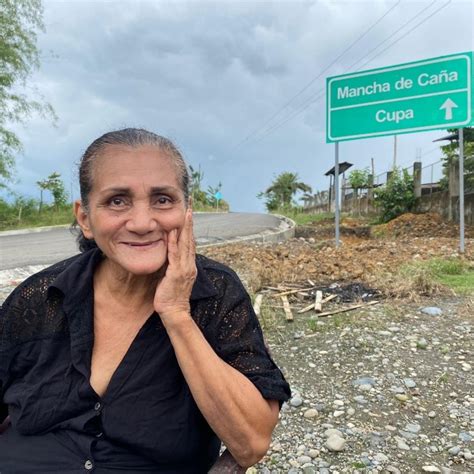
{"x":386,"y":389}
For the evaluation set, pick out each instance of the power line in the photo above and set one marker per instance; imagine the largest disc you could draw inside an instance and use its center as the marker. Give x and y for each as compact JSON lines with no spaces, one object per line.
{"x":409,"y":31}
{"x":319,"y":94}
{"x":391,"y":36}
{"x":314,"y":79}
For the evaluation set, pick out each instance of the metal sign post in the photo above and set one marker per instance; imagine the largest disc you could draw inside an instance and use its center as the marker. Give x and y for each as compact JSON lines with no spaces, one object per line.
{"x":461,"y":190}
{"x":218,"y":197}
{"x":336,"y":191}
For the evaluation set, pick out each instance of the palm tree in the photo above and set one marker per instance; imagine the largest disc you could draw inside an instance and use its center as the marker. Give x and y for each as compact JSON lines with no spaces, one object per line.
{"x":282,"y":190}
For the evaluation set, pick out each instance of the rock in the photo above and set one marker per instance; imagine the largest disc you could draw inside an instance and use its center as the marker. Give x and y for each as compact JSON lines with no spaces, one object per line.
{"x":413,"y":427}
{"x":431,"y":414}
{"x":311,"y":413}
{"x":335,"y":443}
{"x":364,"y":381}
{"x":313,"y":453}
{"x":338,"y":413}
{"x":296,"y":401}
{"x":430,"y":469}
{"x":402,"y":397}
{"x":409,"y":383}
{"x":432,"y":311}
{"x":422,"y":343}
{"x":304,"y":459}
{"x":454,"y":451}
{"x":331,"y":432}
{"x":350,"y":411}
{"x":381,"y":458}
{"x":408,"y":435}
{"x":401,"y":444}
{"x":466,"y":437}
{"x":392,"y":470}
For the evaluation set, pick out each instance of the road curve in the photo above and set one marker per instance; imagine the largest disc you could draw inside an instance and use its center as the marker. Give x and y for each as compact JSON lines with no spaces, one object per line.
{"x":48,"y":246}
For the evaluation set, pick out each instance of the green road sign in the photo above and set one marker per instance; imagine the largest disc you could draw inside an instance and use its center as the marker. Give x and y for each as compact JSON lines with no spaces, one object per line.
{"x":413,"y":97}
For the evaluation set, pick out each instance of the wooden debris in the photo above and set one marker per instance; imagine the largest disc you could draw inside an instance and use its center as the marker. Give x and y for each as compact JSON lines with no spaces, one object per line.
{"x":312,"y":305}
{"x":350,"y":308}
{"x":306,"y":309}
{"x":291,"y":292}
{"x":311,"y":282}
{"x":329,"y":298}
{"x":286,"y":308}
{"x":258,"y":303}
{"x":318,"y":302}
{"x":303,"y":294}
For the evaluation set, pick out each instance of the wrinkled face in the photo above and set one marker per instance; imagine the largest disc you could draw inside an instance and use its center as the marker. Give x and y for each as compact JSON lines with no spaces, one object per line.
{"x":135,"y":201}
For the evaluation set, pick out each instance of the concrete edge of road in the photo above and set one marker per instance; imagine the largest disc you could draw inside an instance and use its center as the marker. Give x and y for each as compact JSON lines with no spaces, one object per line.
{"x":285,"y":231}
{"x":30,"y":230}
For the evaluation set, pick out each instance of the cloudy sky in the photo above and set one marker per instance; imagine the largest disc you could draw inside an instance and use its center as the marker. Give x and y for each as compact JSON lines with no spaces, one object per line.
{"x":238,"y":85}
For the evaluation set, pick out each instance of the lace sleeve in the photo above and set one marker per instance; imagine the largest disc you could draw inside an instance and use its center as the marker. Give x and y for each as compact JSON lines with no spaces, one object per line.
{"x":3,"y":355}
{"x":236,"y":336}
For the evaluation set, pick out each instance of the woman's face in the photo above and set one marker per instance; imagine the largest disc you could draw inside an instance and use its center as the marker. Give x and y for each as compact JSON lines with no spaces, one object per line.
{"x":135,"y":201}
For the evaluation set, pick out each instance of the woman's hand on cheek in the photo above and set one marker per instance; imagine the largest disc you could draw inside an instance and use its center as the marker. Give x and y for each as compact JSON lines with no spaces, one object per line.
{"x":173,"y":291}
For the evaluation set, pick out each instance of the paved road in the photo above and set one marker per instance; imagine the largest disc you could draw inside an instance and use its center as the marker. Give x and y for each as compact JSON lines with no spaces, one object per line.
{"x":49,"y":246}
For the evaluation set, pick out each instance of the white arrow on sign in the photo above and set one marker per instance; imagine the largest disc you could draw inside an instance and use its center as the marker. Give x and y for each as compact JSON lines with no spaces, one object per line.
{"x":448,"y":106}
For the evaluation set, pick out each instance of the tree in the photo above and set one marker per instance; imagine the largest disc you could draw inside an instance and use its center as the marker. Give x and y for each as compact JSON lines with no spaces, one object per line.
{"x":211,"y":193}
{"x":20,"y":21}
{"x":282,"y":190}
{"x":359,"y":179}
{"x":43,"y":185}
{"x":55,"y":185}
{"x":397,"y":196}
{"x":198,"y":195}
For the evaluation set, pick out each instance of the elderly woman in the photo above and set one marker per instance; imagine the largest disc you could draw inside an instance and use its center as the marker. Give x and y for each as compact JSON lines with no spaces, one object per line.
{"x":136,"y":355}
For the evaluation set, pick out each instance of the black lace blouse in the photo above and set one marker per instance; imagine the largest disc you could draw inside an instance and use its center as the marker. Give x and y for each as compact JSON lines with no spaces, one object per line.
{"x":147,"y":421}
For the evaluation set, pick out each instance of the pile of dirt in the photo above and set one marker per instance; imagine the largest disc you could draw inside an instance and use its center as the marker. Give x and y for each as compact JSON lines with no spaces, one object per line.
{"x":357,"y":259}
{"x":430,"y":224}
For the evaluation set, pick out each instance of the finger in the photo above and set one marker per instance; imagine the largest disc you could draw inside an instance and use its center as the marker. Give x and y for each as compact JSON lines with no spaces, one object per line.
{"x":173,"y":249}
{"x":192,"y":242}
{"x":186,"y":237}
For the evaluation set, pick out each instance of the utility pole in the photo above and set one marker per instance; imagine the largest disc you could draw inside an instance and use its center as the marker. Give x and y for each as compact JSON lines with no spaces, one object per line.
{"x":461,"y":189}
{"x":394,"y":151}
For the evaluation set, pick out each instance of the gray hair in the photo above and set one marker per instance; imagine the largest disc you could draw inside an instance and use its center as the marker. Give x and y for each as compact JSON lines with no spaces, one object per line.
{"x":134,"y":138}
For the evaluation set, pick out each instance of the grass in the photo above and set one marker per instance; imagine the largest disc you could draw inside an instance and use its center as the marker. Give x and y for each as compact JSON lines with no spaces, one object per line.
{"x":303,"y":218}
{"x":49,"y":217}
{"x":429,"y":278}
{"x":455,"y":273}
